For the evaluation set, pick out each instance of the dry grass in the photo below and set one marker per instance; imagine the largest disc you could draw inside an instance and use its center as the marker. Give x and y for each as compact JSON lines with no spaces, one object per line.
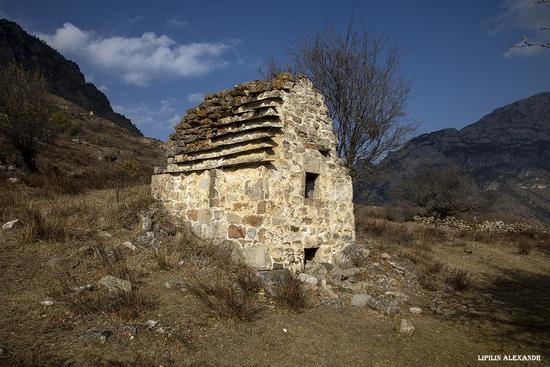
{"x":289,"y":293}
{"x":225,"y":285}
{"x":525,"y":248}
{"x":89,"y":300}
{"x":38,"y":226}
{"x":167,"y":257}
{"x":33,"y":357}
{"x":228,"y":296}
{"x":459,"y":279}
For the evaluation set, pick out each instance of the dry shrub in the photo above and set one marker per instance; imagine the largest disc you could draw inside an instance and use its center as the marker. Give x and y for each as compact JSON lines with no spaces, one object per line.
{"x":126,"y":211}
{"x":223,"y":284}
{"x":373,"y":227}
{"x":393,"y":214}
{"x":434,"y":267}
{"x":525,"y":248}
{"x":92,"y":300}
{"x":525,"y":240}
{"x":137,"y":361}
{"x":229,"y":295}
{"x":428,"y":282}
{"x":32,"y":357}
{"x":105,"y":255}
{"x":459,"y":279}
{"x":167,"y":258}
{"x":289,"y":293}
{"x":38,"y":226}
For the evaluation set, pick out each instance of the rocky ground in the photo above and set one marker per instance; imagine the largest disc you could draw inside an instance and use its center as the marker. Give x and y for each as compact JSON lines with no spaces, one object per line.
{"x":106,"y":279}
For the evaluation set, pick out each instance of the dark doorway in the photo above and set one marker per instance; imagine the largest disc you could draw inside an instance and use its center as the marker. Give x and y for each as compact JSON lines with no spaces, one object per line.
{"x":310,"y":184}
{"x":309,"y":253}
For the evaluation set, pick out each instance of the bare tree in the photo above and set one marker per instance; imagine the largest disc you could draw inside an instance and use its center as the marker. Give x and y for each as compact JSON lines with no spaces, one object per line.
{"x":358,"y":74}
{"x":24,"y":110}
{"x":441,"y":191}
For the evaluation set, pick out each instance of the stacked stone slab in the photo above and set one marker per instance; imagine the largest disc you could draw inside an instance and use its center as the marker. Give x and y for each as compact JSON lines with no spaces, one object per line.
{"x":256,"y":165}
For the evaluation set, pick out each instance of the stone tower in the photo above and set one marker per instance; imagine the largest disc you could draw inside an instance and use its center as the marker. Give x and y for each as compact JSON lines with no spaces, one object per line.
{"x":257,"y":165}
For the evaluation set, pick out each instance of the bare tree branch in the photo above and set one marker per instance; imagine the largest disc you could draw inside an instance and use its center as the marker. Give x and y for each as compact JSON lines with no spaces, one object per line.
{"x":358,"y":74}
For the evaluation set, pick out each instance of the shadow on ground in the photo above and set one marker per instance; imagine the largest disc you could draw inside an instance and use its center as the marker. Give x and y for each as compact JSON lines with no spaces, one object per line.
{"x":515,"y":308}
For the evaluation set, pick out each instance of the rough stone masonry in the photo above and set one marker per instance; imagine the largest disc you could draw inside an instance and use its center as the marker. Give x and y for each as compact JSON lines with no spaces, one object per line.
{"x":256,"y":165}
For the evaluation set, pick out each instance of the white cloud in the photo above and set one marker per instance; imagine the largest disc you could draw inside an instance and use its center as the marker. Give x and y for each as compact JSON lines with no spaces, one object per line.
{"x":176,"y":23}
{"x":68,"y":38}
{"x":138,"y":60}
{"x":195,"y":98}
{"x":103,"y":88}
{"x":518,"y":51}
{"x":520,"y":14}
{"x":522,"y":18}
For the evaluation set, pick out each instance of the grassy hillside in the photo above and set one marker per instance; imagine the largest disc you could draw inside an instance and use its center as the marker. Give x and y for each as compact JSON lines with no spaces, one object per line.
{"x":192,"y":304}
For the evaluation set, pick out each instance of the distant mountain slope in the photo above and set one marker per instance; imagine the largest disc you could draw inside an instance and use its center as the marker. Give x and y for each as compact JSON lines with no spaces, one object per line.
{"x":507,"y":153}
{"x":63,"y":76}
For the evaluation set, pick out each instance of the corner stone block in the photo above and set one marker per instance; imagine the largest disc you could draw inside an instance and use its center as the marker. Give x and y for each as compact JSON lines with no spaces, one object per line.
{"x":257,"y":257}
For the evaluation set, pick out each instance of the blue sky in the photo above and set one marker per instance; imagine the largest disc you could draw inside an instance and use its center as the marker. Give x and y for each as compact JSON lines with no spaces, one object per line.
{"x":155,"y":59}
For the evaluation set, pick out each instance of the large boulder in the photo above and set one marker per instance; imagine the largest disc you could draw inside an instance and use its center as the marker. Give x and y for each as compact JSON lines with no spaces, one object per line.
{"x":114,"y":284}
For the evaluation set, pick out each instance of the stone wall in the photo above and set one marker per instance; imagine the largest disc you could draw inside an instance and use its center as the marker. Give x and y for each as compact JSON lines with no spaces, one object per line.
{"x":250,"y":186}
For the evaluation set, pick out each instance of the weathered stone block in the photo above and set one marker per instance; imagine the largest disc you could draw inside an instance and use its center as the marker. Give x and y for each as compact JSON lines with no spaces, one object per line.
{"x":234,"y":231}
{"x":257,"y":257}
{"x":253,"y":220}
{"x":204,"y":216}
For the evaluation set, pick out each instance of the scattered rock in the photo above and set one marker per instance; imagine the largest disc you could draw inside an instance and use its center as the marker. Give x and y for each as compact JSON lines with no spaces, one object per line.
{"x":132,"y":330}
{"x":114,"y":284}
{"x":146,"y":222}
{"x":385,"y":306}
{"x":47,"y":303}
{"x":329,"y":297}
{"x":129,"y":245}
{"x":85,"y":250}
{"x":82,"y":288}
{"x":360,"y":300}
{"x":62,"y":261}
{"x":350,"y":273}
{"x":319,"y":271}
{"x":415,"y":310}
{"x":97,"y":334}
{"x":145,"y":239}
{"x":334,"y":276}
{"x":364,"y":252}
{"x":165,"y":330}
{"x":151,"y":324}
{"x":13,"y":180}
{"x":12,"y":224}
{"x":405,"y":327}
{"x":398,"y":295}
{"x":175,"y":284}
{"x":272,"y":278}
{"x":385,"y":256}
{"x":396,"y":267}
{"x":104,"y":234}
{"x":308,"y":279}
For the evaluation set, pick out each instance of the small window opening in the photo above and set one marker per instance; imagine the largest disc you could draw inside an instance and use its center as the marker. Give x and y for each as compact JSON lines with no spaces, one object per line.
{"x":310,"y":184}
{"x":309,"y":253}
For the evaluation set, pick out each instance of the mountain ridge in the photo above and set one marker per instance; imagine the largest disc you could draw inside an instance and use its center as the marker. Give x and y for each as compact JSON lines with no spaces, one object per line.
{"x":63,"y":76}
{"x":507,"y":153}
